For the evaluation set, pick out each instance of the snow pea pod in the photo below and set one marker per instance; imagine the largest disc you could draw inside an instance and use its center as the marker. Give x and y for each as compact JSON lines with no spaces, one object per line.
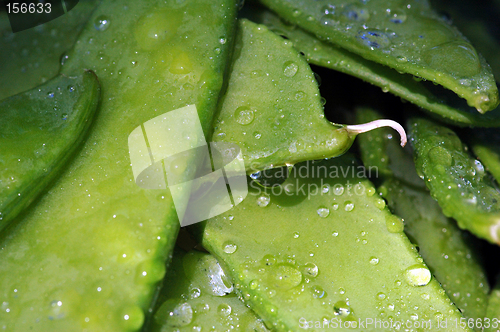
{"x":448,"y":251}
{"x":478,"y":23}
{"x":457,"y":181}
{"x":91,"y":252}
{"x":491,"y":322}
{"x":197,"y":294}
{"x":31,"y":57}
{"x":410,"y":38}
{"x":285,"y":125}
{"x":379,"y":150}
{"x":315,"y":241}
{"x":42,"y":128}
{"x":327,"y":55}
{"x":486,"y":146}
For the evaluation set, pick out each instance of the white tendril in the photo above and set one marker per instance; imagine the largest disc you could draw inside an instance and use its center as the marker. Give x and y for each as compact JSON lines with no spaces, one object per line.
{"x":363,"y":128}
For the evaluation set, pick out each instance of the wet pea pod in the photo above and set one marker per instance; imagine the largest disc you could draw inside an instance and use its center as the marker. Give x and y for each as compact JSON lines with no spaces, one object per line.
{"x":379,"y":150}
{"x":448,"y":251}
{"x":457,"y":181}
{"x":197,"y":294}
{"x":42,"y":128}
{"x":408,"y":87}
{"x":286,"y":124}
{"x":90,"y":254}
{"x":478,"y":23}
{"x":301,"y":255}
{"x":491,"y":322}
{"x":411,"y":38}
{"x":486,"y":146}
{"x":31,"y":57}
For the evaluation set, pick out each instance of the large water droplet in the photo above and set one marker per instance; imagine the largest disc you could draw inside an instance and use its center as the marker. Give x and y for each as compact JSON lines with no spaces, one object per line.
{"x":417,"y":275}
{"x":328,"y":9}
{"x":290,"y":68}
{"x":373,"y":38}
{"x":397,"y":16}
{"x":323,"y":212}
{"x":174,"y":315}
{"x":440,"y":156}
{"x":244,"y":115}
{"x":465,"y":59}
{"x":263,"y":200}
{"x":380,"y":203}
{"x":64,"y":58}
{"x":229,"y":247}
{"x":329,"y":20}
{"x":285,"y":276}
{"x":341,"y":309}
{"x":181,"y":64}
{"x":311,"y":270}
{"x":224,"y":309}
{"x":355,"y":13}
{"x":271,"y":177}
{"x":348,"y":206}
{"x":338,"y":189}
{"x":318,"y":292}
{"x":394,"y":224}
{"x":101,"y":23}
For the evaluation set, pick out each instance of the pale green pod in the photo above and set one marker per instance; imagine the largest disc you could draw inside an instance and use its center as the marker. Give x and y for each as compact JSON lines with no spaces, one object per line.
{"x":456,"y":180}
{"x":323,"y":248}
{"x":90,"y":254}
{"x":406,"y":86}
{"x":197,"y":295}
{"x":409,"y":37}
{"x":41,"y":130}
{"x":31,"y":57}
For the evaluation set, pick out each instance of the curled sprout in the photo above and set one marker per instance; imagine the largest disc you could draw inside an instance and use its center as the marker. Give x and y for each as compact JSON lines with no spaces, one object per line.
{"x":363,"y":128}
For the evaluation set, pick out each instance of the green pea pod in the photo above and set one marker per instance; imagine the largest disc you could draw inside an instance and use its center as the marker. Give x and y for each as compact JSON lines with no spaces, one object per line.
{"x":410,"y":38}
{"x":323,"y":249}
{"x":31,"y":57}
{"x":456,"y":180}
{"x":379,"y":150}
{"x":90,"y":254}
{"x":478,"y":23}
{"x":448,"y":251}
{"x":491,"y":322}
{"x":486,"y":146}
{"x":197,"y":294}
{"x":407,"y":87}
{"x":42,"y":128}
{"x":286,"y":124}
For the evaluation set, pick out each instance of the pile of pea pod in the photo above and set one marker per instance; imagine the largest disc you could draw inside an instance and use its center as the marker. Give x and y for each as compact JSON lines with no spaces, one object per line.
{"x":342,"y":228}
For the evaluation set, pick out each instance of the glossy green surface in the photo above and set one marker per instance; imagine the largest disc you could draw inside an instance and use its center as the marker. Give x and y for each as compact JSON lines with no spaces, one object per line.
{"x":409,"y":37}
{"x":478,"y":22}
{"x":448,"y":251}
{"x":486,"y":146}
{"x":408,"y":87}
{"x":456,"y":180}
{"x":31,"y":57}
{"x":197,"y":295}
{"x":493,"y":313}
{"x":304,"y":255}
{"x":272,"y":108}
{"x":90,"y":254}
{"x":41,"y":129}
